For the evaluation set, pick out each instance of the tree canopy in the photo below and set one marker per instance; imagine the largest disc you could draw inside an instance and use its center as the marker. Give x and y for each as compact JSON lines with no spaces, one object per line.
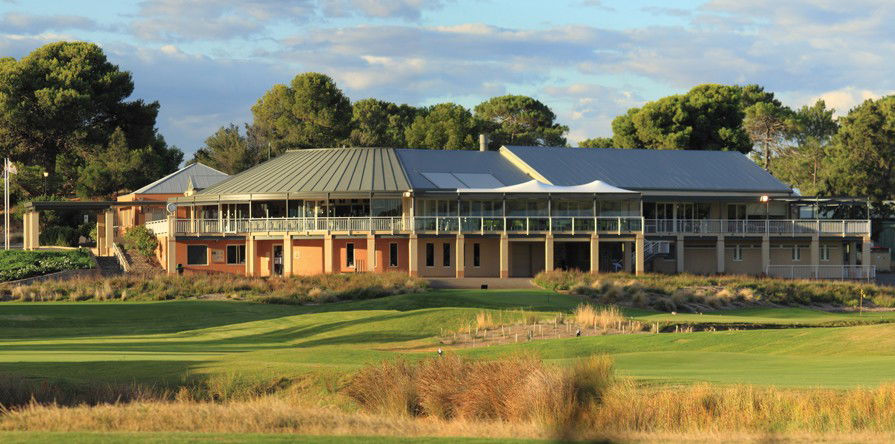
{"x":64,"y":108}
{"x":312,"y":112}
{"x":229,"y":151}
{"x":519,"y":120}
{"x":597,"y":142}
{"x":377,"y":123}
{"x":861,"y":156}
{"x":444,"y":126}
{"x":708,"y":117}
{"x":801,"y":163}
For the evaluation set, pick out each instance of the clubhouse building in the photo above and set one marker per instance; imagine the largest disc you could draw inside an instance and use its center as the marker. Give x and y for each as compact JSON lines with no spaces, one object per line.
{"x":509,"y":213}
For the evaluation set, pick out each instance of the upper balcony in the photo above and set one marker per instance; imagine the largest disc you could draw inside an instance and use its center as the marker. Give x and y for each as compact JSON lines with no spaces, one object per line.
{"x":532,"y":225}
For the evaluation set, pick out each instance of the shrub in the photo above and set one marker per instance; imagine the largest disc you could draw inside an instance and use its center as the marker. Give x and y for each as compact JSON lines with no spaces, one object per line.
{"x":141,"y":240}
{"x":59,"y":236}
{"x":17,"y":264}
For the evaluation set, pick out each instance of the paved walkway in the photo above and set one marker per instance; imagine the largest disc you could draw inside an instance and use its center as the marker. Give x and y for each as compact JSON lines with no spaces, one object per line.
{"x":492,"y":283}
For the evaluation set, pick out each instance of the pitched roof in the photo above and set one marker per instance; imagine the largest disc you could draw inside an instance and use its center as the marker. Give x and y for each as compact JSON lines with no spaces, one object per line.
{"x":453,"y":169}
{"x":650,"y":170}
{"x":202,"y":176}
{"x":321,"y":170}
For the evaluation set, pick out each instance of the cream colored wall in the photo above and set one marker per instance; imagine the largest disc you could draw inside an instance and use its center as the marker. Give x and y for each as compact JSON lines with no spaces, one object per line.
{"x":438,"y":270}
{"x":489,"y":255}
{"x":751,"y":263}
{"x":526,"y":258}
{"x":700,"y":260}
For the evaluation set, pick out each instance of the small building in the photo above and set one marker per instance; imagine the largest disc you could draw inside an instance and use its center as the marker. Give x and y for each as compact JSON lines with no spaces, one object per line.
{"x":189,"y":179}
{"x":509,"y":213}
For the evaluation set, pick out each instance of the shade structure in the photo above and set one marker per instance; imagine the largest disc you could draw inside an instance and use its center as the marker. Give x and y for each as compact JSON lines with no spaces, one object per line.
{"x":538,"y":187}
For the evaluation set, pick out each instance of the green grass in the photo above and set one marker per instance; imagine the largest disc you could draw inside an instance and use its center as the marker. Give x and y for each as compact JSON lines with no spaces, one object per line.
{"x":167,"y":342}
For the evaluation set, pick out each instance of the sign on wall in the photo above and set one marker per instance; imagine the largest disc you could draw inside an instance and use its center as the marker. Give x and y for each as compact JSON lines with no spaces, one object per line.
{"x":218,"y":256}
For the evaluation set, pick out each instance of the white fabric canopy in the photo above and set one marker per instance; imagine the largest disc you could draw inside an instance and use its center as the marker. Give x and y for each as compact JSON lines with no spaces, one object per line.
{"x":534,"y":186}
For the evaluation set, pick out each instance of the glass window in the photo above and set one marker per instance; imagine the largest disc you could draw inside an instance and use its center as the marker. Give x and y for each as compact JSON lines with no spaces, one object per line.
{"x":236,"y":254}
{"x":386,"y":207}
{"x":430,"y":255}
{"x":393,"y":254}
{"x":736,"y":211}
{"x":527,"y":207}
{"x":796,"y":253}
{"x":446,"y":255}
{"x":476,"y":255}
{"x":737,"y":252}
{"x":573,"y":208}
{"x":349,"y":255}
{"x":197,"y":255}
{"x":824,"y":252}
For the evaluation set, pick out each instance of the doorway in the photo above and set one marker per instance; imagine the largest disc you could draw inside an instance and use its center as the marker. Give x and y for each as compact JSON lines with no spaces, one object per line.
{"x":277,"y":263}
{"x":612,"y":257}
{"x":571,"y":256}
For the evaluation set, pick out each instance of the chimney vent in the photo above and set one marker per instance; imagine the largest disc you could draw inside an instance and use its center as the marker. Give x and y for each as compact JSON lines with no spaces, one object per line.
{"x":483,"y":142}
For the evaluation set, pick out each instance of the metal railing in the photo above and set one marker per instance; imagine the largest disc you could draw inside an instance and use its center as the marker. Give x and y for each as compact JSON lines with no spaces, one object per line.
{"x":840,"y":272}
{"x":788,"y":227}
{"x":157,"y":227}
{"x":283,"y":224}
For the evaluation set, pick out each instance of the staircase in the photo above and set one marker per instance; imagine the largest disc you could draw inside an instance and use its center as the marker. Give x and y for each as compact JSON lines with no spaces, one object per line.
{"x":652,"y":249}
{"x":108,"y":265}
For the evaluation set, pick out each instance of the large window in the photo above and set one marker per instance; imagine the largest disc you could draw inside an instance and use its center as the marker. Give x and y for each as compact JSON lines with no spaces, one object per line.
{"x":527,"y":207}
{"x":430,"y":255}
{"x":436,"y":207}
{"x":573,"y":207}
{"x":393,"y":254}
{"x":386,"y":207}
{"x":236,"y":254}
{"x":196,"y":255}
{"x":482,"y":208}
{"x":349,"y":255}
{"x":446,"y":254}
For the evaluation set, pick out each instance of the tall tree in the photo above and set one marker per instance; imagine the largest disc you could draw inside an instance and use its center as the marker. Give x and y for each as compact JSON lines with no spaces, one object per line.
{"x":861,"y":156}
{"x":708,"y":117}
{"x":519,"y":120}
{"x":445,"y":126}
{"x":768,"y":126}
{"x":61,"y":104}
{"x":312,"y":112}
{"x":229,"y":151}
{"x":377,"y":123}
{"x":802,"y":163}
{"x":597,"y":142}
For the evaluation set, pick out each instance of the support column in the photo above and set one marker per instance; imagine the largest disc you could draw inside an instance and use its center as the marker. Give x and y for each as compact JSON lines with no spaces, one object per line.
{"x":719,"y":253}
{"x":815,"y":251}
{"x":640,"y":262}
{"x":679,"y":254}
{"x":328,"y":254}
{"x":626,"y":256}
{"x":35,"y":230}
{"x":865,"y":252}
{"x":287,"y":255}
{"x":110,"y":231}
{"x":548,"y":253}
{"x":594,"y":253}
{"x":852,"y":253}
{"x":251,"y":255}
{"x":26,"y":228}
{"x":171,"y":250}
{"x":413,"y":255}
{"x":101,"y":235}
{"x":504,"y":256}
{"x":765,"y":253}
{"x":371,"y":253}
{"x":460,"y":262}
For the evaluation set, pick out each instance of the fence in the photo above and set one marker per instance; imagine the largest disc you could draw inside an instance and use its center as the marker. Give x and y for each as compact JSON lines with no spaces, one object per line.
{"x":840,"y":272}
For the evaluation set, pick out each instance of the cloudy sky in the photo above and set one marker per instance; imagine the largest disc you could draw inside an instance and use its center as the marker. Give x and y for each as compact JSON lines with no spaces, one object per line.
{"x":208,"y":61}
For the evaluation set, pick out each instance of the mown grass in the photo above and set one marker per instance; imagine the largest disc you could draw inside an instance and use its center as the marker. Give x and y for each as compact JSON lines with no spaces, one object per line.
{"x":19,"y":264}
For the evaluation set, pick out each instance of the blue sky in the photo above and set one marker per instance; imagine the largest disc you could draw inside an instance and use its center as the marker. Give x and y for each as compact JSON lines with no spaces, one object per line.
{"x":208,"y":61}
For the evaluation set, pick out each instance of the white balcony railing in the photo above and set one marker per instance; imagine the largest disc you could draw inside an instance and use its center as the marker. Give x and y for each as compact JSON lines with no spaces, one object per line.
{"x":158,"y":227}
{"x":842,"y":272}
{"x":791,"y":227}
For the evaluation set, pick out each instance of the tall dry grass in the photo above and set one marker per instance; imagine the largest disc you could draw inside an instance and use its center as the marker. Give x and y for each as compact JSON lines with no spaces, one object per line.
{"x":604,"y":318}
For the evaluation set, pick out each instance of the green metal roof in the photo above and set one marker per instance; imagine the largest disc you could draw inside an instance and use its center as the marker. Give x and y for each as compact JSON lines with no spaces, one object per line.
{"x":325,"y":170}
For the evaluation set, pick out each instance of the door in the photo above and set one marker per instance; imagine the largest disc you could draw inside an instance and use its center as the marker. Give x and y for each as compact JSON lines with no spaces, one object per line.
{"x":277,"y":263}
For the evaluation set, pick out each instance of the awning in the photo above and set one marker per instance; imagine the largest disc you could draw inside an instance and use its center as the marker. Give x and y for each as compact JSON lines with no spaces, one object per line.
{"x":537,"y":187}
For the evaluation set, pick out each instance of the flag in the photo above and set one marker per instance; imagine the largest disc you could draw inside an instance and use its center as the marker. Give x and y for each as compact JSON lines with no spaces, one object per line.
{"x":11,"y":168}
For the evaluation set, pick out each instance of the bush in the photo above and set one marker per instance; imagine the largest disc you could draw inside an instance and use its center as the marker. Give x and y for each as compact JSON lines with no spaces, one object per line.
{"x":17,"y":264}
{"x":141,"y":240}
{"x":59,"y":236}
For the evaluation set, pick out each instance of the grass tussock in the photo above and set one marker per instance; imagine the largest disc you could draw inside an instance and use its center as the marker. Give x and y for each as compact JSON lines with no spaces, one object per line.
{"x":683,"y":292}
{"x":283,"y":290}
{"x":604,"y":318}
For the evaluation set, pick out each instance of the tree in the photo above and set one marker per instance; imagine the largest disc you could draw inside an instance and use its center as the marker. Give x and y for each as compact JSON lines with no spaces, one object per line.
{"x":597,"y":142}
{"x":768,"y":126}
{"x":861,"y":156}
{"x":228,"y":151}
{"x":708,"y":117}
{"x":801,"y":165}
{"x":312,"y":112}
{"x":446,"y":126}
{"x":61,"y":104}
{"x":377,"y":123}
{"x":111,"y":169}
{"x":519,"y":120}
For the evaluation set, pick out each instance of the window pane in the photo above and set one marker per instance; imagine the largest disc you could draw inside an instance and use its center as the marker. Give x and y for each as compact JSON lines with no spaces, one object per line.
{"x":349,"y":255}
{"x":393,"y":255}
{"x":197,"y":255}
{"x":446,"y":255}
{"x":476,"y":255}
{"x":236,"y":254}
{"x":430,"y":255}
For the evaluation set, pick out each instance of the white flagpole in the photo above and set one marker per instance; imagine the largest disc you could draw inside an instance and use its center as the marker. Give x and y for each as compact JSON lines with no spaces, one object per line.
{"x":6,"y":203}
